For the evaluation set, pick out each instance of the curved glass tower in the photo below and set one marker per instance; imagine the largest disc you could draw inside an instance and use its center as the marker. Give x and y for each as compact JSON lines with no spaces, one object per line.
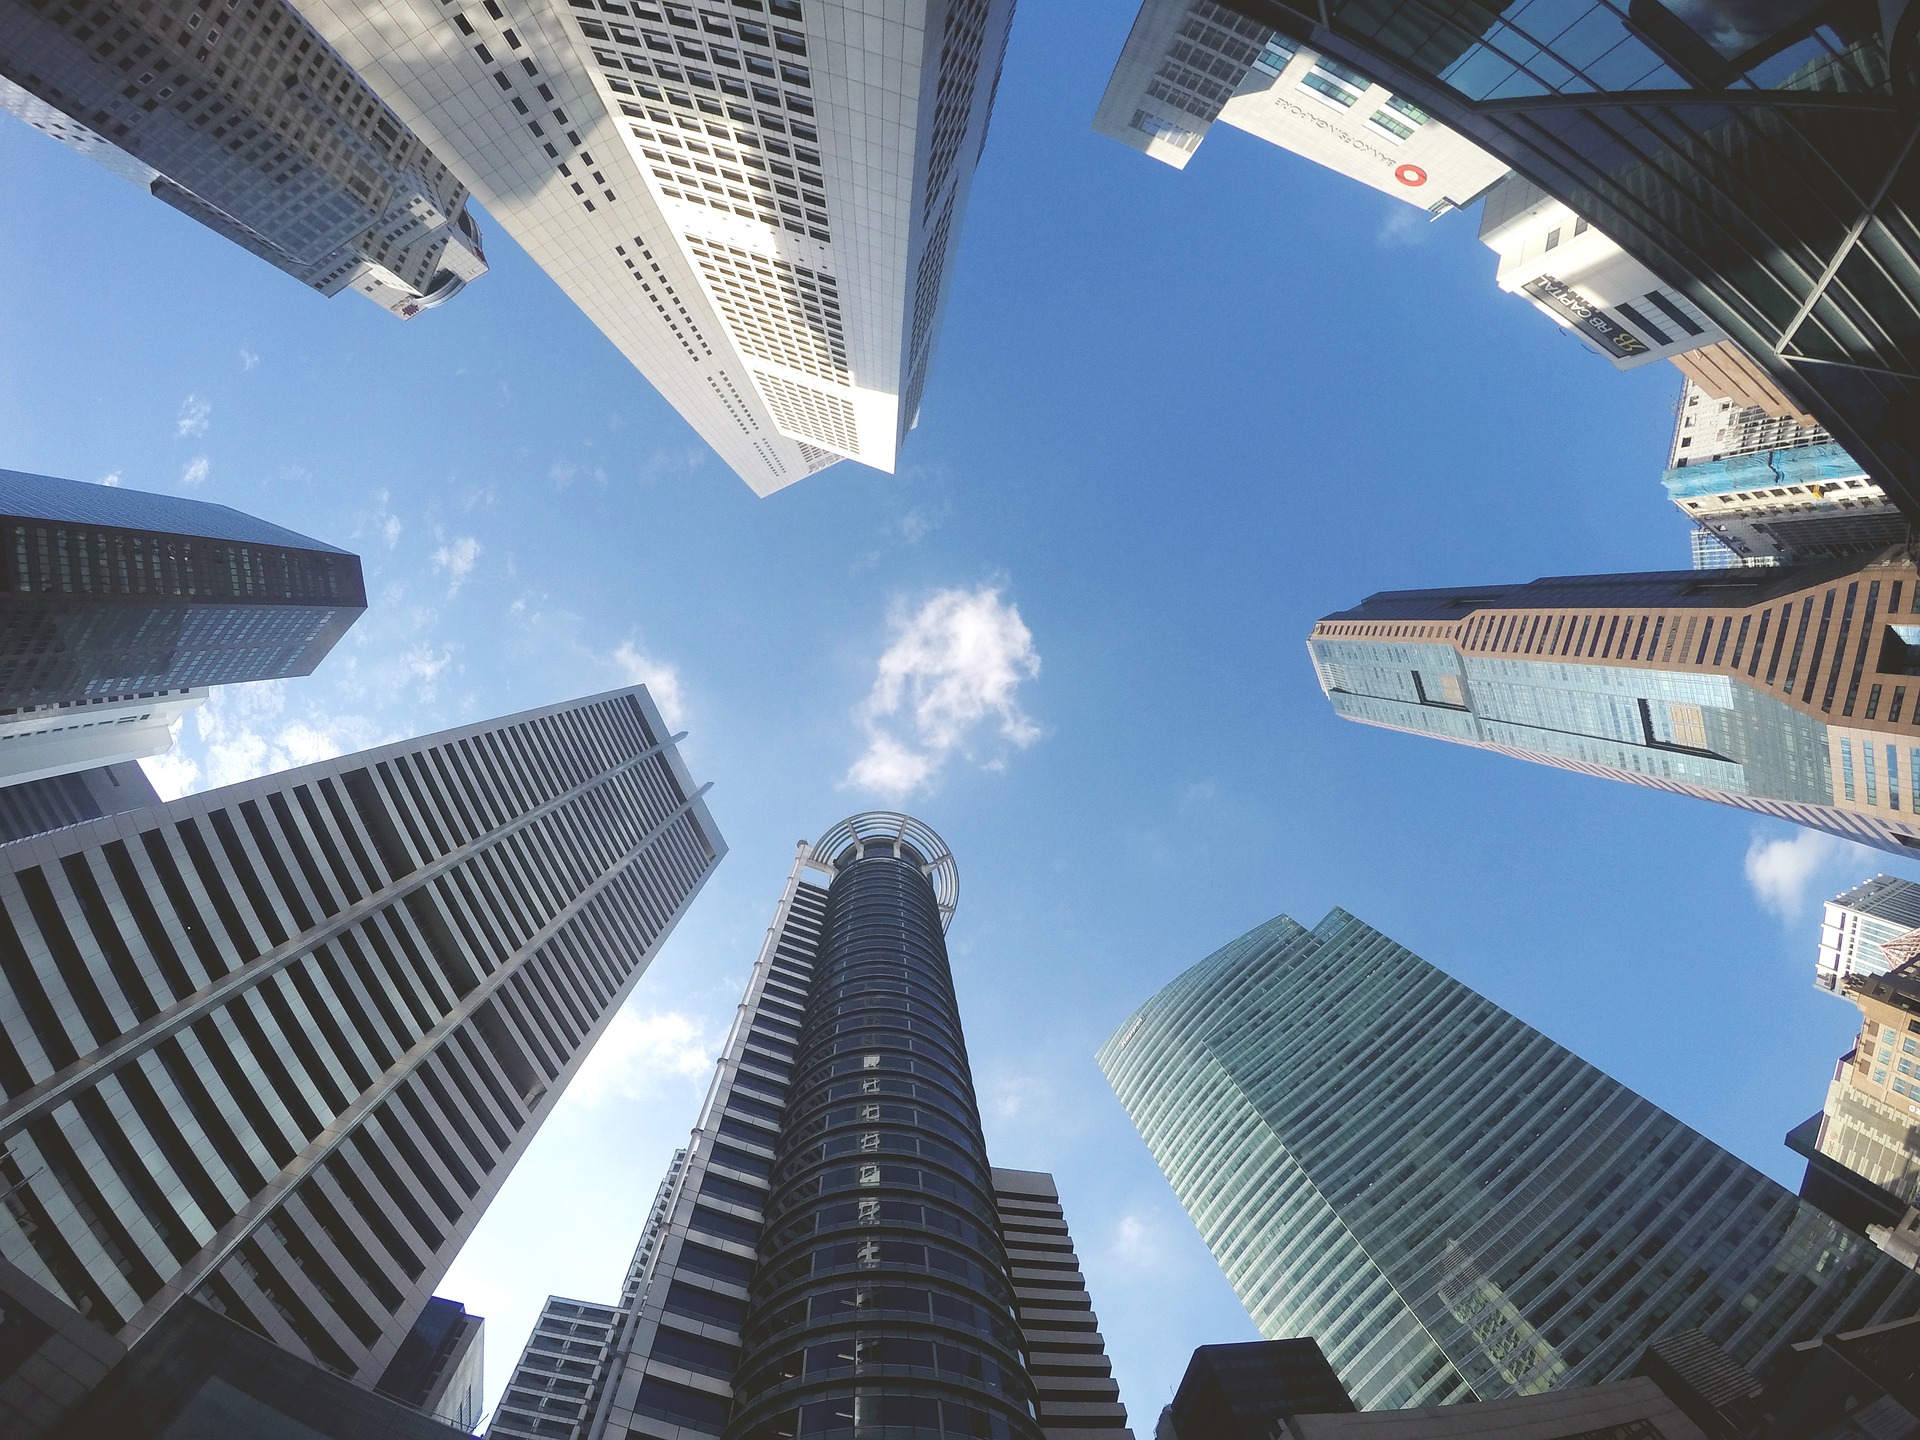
{"x":881,"y":1297}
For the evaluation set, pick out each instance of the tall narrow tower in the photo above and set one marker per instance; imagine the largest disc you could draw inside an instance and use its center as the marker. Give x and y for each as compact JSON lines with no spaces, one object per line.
{"x":757,"y":202}
{"x":1787,"y":690}
{"x":833,"y":1248}
{"x":275,"y":1047}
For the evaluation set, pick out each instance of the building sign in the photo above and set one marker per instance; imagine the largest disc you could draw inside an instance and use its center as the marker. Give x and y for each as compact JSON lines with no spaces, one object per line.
{"x":1586,"y":316}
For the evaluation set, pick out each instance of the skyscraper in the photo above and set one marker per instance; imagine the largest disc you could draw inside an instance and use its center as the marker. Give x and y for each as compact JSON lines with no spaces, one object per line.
{"x":1451,"y":1204}
{"x":1779,"y":690}
{"x":111,"y":595}
{"x":1863,"y":1147}
{"x":1075,"y":1397}
{"x":1698,"y":137}
{"x":832,"y":1246}
{"x":273,"y":1048}
{"x":1191,"y":63}
{"x":1770,"y":491}
{"x":239,"y":116}
{"x":1856,"y":926}
{"x":758,"y":204}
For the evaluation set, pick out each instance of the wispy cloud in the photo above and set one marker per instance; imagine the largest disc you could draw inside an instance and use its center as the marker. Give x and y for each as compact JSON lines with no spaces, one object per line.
{"x":195,"y":471}
{"x":1403,"y":228}
{"x":424,"y":665}
{"x":456,"y":560}
{"x":948,"y":680}
{"x":248,"y":359}
{"x":1788,"y":874}
{"x":245,"y":731}
{"x":112,"y":477}
{"x":636,"y":667}
{"x":639,"y":1049}
{"x":195,"y":415}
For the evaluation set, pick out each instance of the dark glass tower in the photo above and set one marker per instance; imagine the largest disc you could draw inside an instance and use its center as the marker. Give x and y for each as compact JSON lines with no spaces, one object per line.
{"x":107,"y":592}
{"x":882,"y":1297}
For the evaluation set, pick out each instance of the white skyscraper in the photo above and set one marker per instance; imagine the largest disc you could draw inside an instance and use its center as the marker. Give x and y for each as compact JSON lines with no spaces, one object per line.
{"x":1188,"y":63}
{"x":756,"y":201}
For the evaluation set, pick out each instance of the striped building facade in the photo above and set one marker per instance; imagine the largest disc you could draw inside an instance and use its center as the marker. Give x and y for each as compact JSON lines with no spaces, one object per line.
{"x":1794,"y":692}
{"x":276,"y":1046}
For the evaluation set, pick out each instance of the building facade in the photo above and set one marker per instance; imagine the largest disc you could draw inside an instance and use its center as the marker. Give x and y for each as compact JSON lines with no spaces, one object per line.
{"x":1074,"y":1391}
{"x":68,"y":738}
{"x":1768,"y":490}
{"x":112,"y":596}
{"x":32,"y":806}
{"x":758,"y":206}
{"x":1190,"y":63}
{"x":1319,"y":1101}
{"x":273,"y":1048}
{"x":1856,"y":926}
{"x":1778,"y":690}
{"x":1250,"y":1391}
{"x":240,"y":116}
{"x":1581,"y":280}
{"x":1697,"y":137}
{"x":832,"y":1245}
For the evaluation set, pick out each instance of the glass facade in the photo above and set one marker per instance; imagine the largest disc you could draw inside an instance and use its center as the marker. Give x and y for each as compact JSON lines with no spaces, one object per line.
{"x":97,"y":599}
{"x":1756,"y":157}
{"x":1451,"y":1204}
{"x":881,"y":1301}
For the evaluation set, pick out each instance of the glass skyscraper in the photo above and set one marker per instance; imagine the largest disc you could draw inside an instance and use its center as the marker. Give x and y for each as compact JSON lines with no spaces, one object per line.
{"x":1451,"y":1204}
{"x":241,"y":117}
{"x":1793,"y":691}
{"x":112,"y":593}
{"x":273,"y":1048}
{"x":833,"y":1251}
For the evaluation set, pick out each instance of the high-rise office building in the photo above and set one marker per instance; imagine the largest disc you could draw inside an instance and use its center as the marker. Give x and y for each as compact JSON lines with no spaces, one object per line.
{"x":1863,"y":1147}
{"x":1857,"y":926}
{"x":1075,"y":1397}
{"x":273,"y":1048}
{"x":1697,"y":137}
{"x":28,"y":807}
{"x":757,"y":203}
{"x":1769,"y":491}
{"x":112,"y":596}
{"x":239,"y":116}
{"x":832,"y":1248}
{"x":1190,"y":63}
{"x":1451,"y":1204}
{"x":1576,"y":276}
{"x":1779,"y":690}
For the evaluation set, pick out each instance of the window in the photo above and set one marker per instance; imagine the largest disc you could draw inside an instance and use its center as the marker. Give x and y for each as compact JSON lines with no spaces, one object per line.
{"x":1398,"y":129}
{"x":1873,"y":779}
{"x":1553,"y":238}
{"x":1846,"y":767}
{"x":1420,"y":117}
{"x":1328,"y":89}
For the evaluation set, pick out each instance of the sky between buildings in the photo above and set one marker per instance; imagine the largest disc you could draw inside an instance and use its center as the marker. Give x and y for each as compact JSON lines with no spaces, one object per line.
{"x":1173,"y":419}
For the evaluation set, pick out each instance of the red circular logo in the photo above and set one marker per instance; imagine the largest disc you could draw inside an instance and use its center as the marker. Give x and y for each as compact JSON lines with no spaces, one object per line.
{"x":1410,"y":175}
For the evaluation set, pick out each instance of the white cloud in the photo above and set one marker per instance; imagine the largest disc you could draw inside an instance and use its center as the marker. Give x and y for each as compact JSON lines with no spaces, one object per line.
{"x":248,"y":359}
{"x":390,"y":529}
{"x":949,"y":676}
{"x":636,"y":667}
{"x":112,"y":477}
{"x":172,"y":774}
{"x":424,"y":664}
{"x":195,"y":471}
{"x":1786,"y":874}
{"x":1403,"y":228}
{"x":639,"y":1049}
{"x":244,"y":731}
{"x":456,"y":560}
{"x":195,"y":415}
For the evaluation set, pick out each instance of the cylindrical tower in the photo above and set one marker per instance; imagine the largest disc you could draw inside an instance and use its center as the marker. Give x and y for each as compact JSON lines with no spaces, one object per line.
{"x":881,"y":1304}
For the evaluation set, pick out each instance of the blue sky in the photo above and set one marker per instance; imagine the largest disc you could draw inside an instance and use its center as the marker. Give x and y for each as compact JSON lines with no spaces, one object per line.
{"x":1174,"y":418}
